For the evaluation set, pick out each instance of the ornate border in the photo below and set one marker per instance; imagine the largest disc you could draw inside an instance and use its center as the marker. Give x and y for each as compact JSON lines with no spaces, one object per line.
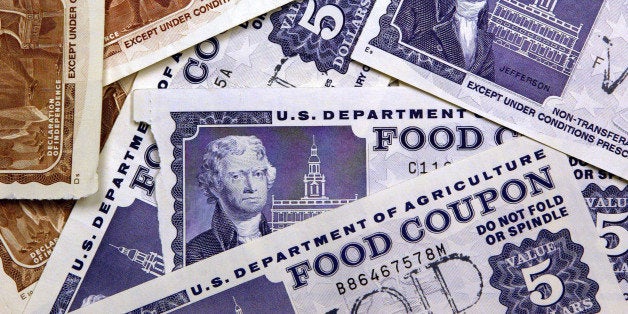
{"x":187,"y":124}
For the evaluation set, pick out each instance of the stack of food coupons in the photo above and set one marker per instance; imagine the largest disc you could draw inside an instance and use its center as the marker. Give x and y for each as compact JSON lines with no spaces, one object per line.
{"x":315,"y":156}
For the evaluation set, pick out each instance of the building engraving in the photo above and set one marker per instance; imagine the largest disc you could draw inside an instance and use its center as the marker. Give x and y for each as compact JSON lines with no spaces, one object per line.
{"x":315,"y":201}
{"x":152,"y":263}
{"x":534,"y":31}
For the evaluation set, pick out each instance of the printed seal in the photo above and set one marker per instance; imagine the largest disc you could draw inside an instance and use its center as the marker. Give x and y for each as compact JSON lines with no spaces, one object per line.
{"x":610,"y":214}
{"x":323,"y":31}
{"x":544,"y":275}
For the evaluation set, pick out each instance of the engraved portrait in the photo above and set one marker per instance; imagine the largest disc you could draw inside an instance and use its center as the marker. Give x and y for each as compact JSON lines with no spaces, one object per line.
{"x":31,"y":39}
{"x":244,"y":182}
{"x":235,"y":175}
{"x":452,"y":30}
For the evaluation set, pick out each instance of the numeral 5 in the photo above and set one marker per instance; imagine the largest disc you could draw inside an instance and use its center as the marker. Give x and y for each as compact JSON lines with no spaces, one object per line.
{"x":619,"y":231}
{"x":555,"y":284}
{"x":329,"y":10}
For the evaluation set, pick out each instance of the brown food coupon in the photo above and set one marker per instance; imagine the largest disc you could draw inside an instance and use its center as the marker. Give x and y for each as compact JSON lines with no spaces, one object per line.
{"x":50,"y":73}
{"x":140,"y":33}
{"x":29,"y":231}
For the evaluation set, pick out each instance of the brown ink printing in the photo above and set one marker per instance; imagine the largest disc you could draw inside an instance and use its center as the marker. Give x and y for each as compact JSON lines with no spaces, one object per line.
{"x":35,"y":104}
{"x":29,"y":231}
{"x":130,"y":15}
{"x":112,"y":101}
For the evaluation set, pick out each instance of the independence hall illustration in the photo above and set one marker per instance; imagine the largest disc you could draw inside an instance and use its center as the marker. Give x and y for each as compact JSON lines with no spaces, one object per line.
{"x":534,"y":31}
{"x":314,"y":201}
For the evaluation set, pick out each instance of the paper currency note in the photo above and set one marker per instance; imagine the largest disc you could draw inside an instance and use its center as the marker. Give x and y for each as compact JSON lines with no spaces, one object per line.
{"x":113,"y":252}
{"x":50,"y":94}
{"x":551,"y":69}
{"x":553,"y":79}
{"x":138,"y":33}
{"x":29,"y":230}
{"x":244,"y":57}
{"x":382,"y":145}
{"x":506,"y":230}
{"x":399,"y":146}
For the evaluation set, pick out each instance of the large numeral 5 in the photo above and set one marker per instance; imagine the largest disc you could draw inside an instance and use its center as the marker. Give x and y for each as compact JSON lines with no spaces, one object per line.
{"x":556,"y":285}
{"x":329,"y":10}
{"x":619,"y":231}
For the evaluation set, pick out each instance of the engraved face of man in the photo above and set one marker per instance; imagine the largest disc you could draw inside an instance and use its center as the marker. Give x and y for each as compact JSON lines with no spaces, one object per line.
{"x":244,"y":187}
{"x":236,"y":173}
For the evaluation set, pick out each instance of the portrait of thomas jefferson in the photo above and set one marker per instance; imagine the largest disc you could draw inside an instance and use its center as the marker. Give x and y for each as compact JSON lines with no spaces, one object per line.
{"x":451,"y":30}
{"x":235,"y":175}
